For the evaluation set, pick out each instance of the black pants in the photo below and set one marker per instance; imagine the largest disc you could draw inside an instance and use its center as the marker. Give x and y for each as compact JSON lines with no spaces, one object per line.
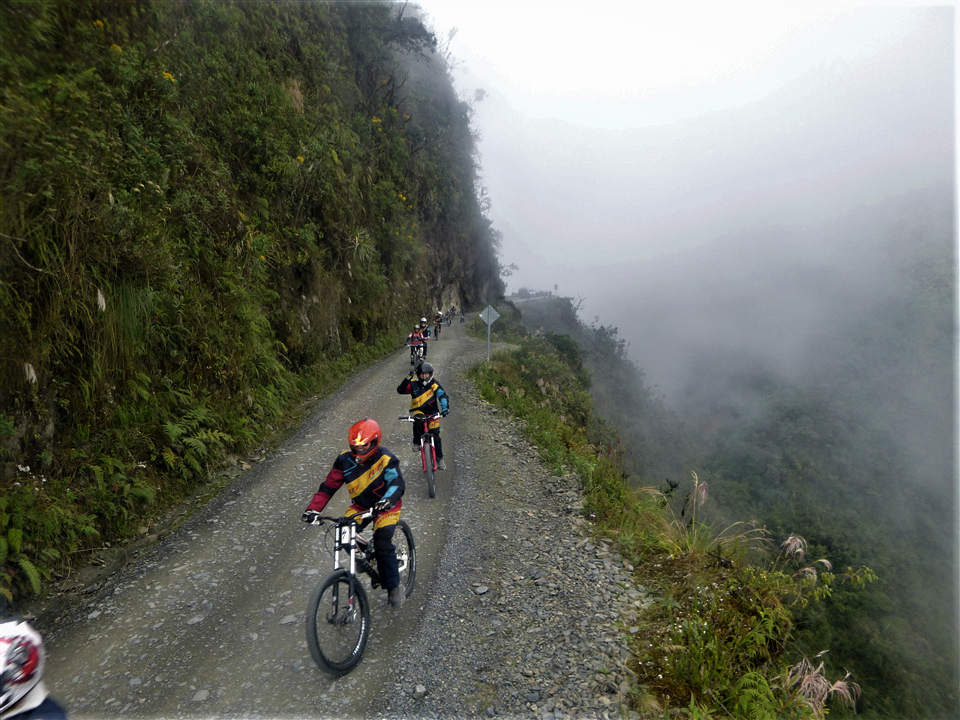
{"x":387,"y":564}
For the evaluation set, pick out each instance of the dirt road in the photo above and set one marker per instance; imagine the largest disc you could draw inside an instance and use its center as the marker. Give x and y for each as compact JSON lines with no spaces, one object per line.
{"x":210,"y":621}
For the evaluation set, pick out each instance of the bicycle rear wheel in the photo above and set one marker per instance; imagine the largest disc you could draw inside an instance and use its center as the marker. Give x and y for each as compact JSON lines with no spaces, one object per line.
{"x":338,"y":629}
{"x":406,"y":556}
{"x":428,"y":462}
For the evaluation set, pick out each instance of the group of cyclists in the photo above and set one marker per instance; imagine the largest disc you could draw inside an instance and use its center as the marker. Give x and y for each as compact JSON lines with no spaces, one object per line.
{"x":418,"y":339}
{"x":372,"y":472}
{"x":373,"y":478}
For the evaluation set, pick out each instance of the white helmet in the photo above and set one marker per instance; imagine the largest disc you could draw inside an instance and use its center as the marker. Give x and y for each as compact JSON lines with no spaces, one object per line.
{"x":21,"y":661}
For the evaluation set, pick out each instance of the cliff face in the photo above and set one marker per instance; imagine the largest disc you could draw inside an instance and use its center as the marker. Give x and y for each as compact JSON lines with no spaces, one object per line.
{"x":202,"y":203}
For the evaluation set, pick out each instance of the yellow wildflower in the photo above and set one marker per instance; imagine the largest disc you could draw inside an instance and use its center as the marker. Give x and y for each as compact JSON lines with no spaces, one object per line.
{"x":169,"y":77}
{"x":98,"y":23}
{"x":116,"y":48}
{"x":299,"y":158}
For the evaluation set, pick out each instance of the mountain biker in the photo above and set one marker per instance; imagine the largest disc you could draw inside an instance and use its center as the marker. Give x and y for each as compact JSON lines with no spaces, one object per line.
{"x":415,"y":340}
{"x":438,"y":322}
{"x":429,"y":398}
{"x":425,"y":332}
{"x":23,"y":695}
{"x":372,"y":475}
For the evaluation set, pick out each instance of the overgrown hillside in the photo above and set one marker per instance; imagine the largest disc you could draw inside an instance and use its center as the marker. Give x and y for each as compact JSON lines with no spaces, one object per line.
{"x":207,"y":208}
{"x":657,"y":446}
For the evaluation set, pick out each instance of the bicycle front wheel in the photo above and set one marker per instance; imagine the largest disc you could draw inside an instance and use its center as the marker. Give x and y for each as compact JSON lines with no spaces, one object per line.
{"x":406,"y":556}
{"x":338,"y":624}
{"x":428,"y":462}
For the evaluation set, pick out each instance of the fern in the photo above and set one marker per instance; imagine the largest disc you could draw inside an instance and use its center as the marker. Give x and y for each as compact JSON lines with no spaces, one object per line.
{"x":15,"y":538}
{"x":173,"y":431}
{"x":171,"y":459}
{"x":196,"y":445}
{"x":754,"y":697}
{"x":32,"y":573}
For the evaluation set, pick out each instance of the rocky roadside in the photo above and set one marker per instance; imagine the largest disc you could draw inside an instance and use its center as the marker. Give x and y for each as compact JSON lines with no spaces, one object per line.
{"x":531,"y":614}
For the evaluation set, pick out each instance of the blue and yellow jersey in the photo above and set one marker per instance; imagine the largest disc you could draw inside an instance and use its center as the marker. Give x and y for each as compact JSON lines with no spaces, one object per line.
{"x":428,"y":398}
{"x":367,"y":483}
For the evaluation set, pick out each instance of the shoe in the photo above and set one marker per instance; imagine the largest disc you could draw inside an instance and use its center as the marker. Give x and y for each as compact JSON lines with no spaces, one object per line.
{"x":416,"y":447}
{"x":395,"y":595}
{"x":441,"y":465}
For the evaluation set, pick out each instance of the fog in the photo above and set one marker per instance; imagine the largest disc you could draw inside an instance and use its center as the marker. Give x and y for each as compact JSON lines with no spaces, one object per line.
{"x":750,"y":232}
{"x":808,"y":236}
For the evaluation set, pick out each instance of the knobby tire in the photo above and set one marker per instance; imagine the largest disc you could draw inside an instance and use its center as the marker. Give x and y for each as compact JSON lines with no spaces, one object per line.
{"x":406,"y":556}
{"x":337,"y":642}
{"x":428,"y":463}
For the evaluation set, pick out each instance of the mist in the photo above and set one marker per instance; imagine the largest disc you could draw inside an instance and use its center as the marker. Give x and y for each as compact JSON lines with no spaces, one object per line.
{"x":765,"y":234}
{"x":806,"y":243}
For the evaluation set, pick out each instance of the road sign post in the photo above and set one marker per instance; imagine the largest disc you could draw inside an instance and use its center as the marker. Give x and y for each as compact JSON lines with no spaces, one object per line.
{"x":489,"y":316}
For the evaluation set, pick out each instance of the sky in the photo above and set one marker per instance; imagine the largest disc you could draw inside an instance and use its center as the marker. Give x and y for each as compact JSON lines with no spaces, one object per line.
{"x":588,"y":108}
{"x":624,"y":65}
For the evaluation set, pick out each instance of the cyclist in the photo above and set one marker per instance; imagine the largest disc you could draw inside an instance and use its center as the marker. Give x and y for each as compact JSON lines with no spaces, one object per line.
{"x":372,"y":475}
{"x":425,"y":332}
{"x":438,"y":322}
{"x":23,"y":695}
{"x":415,"y":340}
{"x":429,"y":398}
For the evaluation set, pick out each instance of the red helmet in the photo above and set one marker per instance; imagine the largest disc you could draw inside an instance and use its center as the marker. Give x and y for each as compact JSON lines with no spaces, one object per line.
{"x":364,"y":439}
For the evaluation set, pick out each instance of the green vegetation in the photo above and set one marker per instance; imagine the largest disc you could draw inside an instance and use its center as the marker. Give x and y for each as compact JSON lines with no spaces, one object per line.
{"x":209,"y":209}
{"x":829,"y":460}
{"x":717,"y":644}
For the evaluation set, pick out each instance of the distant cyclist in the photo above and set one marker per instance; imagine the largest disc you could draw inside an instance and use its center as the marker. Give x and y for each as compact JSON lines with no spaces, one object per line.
{"x":372,"y":475}
{"x":429,"y":398}
{"x":425,"y":332}
{"x":438,"y":323}
{"x":415,"y":340}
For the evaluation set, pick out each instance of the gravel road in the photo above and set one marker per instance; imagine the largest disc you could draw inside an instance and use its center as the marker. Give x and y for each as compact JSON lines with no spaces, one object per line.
{"x":518,"y":612}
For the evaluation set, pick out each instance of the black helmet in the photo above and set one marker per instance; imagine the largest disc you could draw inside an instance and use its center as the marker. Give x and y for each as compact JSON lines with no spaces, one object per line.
{"x":425,"y":367}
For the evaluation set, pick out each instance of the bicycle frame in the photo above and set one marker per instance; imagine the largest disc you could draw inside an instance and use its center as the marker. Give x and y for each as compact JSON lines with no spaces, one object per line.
{"x":426,"y":439}
{"x":338,"y":612}
{"x":416,"y":354}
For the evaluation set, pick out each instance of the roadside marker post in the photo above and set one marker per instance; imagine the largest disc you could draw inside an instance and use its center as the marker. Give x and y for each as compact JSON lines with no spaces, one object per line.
{"x":489,"y":316}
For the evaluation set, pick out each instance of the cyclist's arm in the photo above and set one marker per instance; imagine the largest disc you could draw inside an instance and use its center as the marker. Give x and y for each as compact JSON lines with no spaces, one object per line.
{"x":327,"y":489}
{"x":392,"y":474}
{"x":405,"y":387}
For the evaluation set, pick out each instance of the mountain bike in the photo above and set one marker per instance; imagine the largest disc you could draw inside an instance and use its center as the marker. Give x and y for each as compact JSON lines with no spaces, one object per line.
{"x":416,"y":355}
{"x":428,"y":452}
{"x":338,"y":613}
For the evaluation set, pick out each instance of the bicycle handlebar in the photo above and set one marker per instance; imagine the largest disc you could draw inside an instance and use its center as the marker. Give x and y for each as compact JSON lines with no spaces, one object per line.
{"x":345,"y":520}
{"x":412,"y":418}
